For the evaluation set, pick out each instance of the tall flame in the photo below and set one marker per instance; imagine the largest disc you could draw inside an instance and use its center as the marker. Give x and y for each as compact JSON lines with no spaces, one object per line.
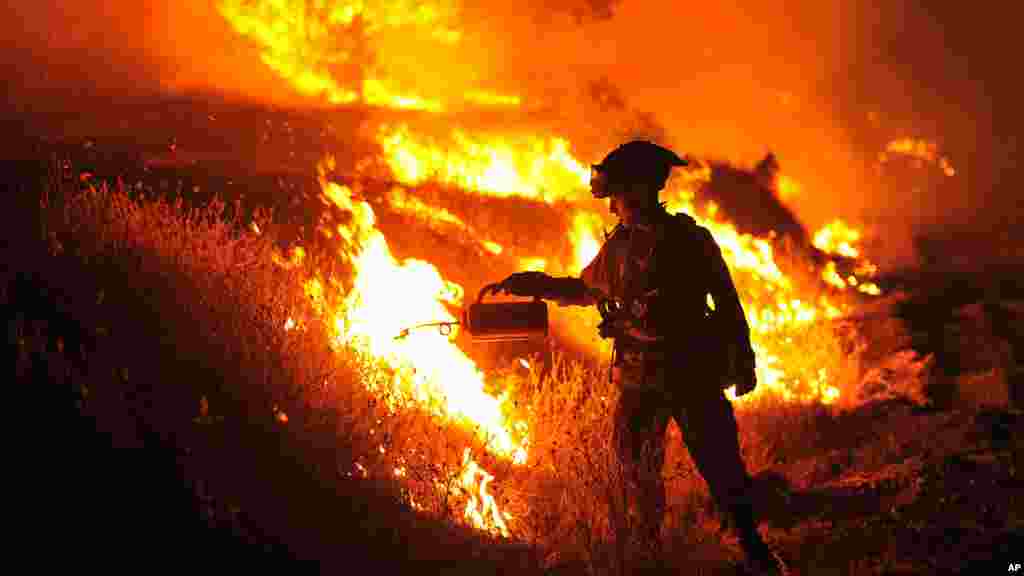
{"x":584,"y":239}
{"x":320,"y":48}
{"x":328,"y":48}
{"x":388,"y":296}
{"x":526,"y":167}
{"x":838,"y":238}
{"x":497,"y":165}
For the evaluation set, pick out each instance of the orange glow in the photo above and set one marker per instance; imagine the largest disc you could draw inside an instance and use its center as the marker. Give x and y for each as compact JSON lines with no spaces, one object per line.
{"x":298,"y":254}
{"x":387,"y":296}
{"x":482,"y":97}
{"x":838,"y":238}
{"x":869,"y":288}
{"x":430,"y":372}
{"x":518,"y":166}
{"x":829,"y":275}
{"x":584,"y":239}
{"x":921,"y":149}
{"x":481,"y":509}
{"x":528,"y":166}
{"x":318,"y":48}
{"x":401,"y":201}
{"x":533,"y":264}
{"x":773,"y":301}
{"x":787,"y":188}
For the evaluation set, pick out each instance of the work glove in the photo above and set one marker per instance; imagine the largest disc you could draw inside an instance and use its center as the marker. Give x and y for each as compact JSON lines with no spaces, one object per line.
{"x":535,"y":284}
{"x":540,"y":285}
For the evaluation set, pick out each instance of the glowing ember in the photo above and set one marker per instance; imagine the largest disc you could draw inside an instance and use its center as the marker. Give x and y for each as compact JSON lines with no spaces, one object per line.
{"x":298,"y":254}
{"x":831,"y":276}
{"x":869,"y":288}
{"x":838,"y":238}
{"x":787,"y":188}
{"x":920,"y":149}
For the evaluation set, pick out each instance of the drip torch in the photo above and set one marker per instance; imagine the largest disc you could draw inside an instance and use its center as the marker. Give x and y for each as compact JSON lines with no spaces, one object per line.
{"x":496,"y":321}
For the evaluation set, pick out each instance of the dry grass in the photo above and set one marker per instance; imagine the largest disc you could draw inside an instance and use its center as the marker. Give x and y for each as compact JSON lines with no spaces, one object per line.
{"x":226,"y":280}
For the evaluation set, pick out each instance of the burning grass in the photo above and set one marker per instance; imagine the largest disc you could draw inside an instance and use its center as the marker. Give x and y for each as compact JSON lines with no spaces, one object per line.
{"x":258,"y":313}
{"x":219,"y":303}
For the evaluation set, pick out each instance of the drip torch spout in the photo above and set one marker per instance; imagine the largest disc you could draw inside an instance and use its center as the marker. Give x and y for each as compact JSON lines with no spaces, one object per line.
{"x":445,"y":328}
{"x":495,"y":321}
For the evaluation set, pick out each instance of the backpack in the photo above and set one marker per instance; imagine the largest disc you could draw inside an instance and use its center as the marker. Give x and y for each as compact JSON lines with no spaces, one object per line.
{"x":702,"y":342}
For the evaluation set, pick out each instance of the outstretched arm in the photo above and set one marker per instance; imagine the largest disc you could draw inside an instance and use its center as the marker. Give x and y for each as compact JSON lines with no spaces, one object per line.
{"x":592,"y":286}
{"x":540,"y":285}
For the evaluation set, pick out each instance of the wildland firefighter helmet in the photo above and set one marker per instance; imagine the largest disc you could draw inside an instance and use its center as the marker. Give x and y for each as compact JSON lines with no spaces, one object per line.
{"x":637,"y":161}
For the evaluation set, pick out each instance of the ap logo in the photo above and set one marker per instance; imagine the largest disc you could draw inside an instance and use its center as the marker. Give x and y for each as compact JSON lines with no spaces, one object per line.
{"x":1015,"y":568}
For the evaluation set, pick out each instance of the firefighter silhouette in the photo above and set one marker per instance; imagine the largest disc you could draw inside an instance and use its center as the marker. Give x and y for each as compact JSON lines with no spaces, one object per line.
{"x":674,"y":354}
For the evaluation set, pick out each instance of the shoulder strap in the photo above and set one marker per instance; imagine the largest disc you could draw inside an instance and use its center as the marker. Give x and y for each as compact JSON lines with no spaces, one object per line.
{"x":677,"y":228}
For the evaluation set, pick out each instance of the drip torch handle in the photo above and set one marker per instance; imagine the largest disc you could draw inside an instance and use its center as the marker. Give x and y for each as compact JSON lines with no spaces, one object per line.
{"x":492,"y":288}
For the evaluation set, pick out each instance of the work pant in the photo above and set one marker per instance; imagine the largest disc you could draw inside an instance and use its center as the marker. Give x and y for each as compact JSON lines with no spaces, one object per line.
{"x":709,"y":430}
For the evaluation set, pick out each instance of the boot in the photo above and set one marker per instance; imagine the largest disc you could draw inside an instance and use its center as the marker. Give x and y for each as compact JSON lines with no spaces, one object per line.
{"x":759,"y":557}
{"x":648,"y":544}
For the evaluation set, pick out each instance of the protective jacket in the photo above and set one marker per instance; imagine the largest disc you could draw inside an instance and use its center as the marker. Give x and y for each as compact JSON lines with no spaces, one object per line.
{"x":663,"y":273}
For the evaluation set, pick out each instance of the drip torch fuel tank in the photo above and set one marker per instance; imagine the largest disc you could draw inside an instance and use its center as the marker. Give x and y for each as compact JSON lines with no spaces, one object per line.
{"x":505,"y":321}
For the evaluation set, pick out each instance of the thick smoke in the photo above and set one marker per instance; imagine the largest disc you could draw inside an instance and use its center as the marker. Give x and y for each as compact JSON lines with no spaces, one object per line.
{"x":822,"y":85}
